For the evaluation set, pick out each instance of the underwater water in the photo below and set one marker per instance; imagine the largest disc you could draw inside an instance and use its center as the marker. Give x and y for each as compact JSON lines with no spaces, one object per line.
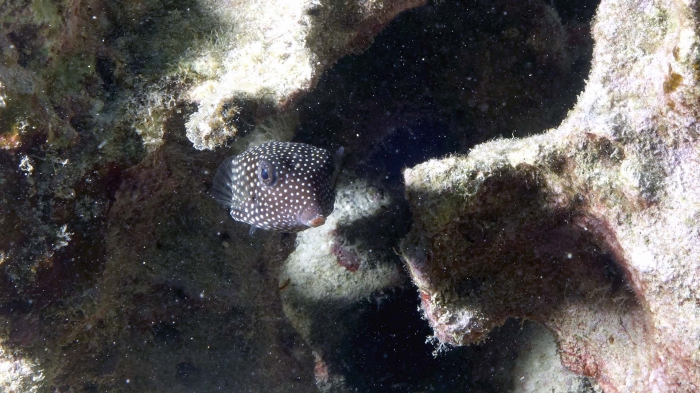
{"x":121,"y":273}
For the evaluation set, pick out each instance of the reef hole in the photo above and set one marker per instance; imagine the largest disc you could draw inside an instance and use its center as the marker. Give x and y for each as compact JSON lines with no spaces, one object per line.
{"x":483,"y":70}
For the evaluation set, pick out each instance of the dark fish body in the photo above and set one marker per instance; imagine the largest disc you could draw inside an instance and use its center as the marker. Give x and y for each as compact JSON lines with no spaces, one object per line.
{"x":280,"y":186}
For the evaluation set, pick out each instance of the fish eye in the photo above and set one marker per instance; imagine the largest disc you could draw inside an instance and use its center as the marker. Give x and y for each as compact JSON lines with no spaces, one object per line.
{"x":267,"y":173}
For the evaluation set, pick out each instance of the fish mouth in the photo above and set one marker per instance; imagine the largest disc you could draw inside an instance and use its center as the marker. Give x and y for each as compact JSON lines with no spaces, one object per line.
{"x":317,"y":222}
{"x":312,"y":218}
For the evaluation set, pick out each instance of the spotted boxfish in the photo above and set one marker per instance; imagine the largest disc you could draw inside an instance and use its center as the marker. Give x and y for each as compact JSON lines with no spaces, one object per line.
{"x":280,"y":186}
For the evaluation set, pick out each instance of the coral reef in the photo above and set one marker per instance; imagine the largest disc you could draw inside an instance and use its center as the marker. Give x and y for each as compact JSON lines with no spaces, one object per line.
{"x":98,"y":190}
{"x":537,"y":366}
{"x":337,"y":267}
{"x":590,"y":228}
{"x":276,"y":51}
{"x":56,"y":177}
{"x":120,"y":273}
{"x":185,"y":301}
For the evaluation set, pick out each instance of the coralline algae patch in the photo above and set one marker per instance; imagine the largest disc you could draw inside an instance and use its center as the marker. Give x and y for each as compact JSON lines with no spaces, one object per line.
{"x":347,"y":256}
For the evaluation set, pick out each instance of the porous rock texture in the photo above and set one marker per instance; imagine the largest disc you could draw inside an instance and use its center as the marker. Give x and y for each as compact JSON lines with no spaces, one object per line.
{"x":337,"y":268}
{"x":277,"y":51}
{"x":118,"y":272}
{"x":592,"y":228}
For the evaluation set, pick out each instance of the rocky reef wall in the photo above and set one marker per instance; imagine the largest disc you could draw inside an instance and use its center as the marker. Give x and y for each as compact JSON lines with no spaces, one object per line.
{"x":571,"y":242}
{"x":590,"y":228}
